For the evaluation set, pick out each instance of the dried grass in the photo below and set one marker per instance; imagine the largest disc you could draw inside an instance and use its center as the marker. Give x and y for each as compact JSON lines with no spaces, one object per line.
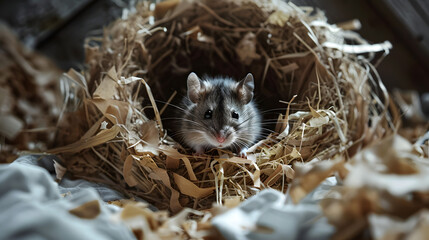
{"x":336,"y":103}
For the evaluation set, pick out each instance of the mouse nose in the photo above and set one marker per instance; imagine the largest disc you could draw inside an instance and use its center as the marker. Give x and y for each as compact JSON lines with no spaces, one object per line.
{"x":220,"y":136}
{"x":220,"y":139}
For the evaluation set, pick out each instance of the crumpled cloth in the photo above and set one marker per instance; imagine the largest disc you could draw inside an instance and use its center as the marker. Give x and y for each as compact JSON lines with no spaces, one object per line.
{"x":270,"y":215}
{"x":32,"y":207}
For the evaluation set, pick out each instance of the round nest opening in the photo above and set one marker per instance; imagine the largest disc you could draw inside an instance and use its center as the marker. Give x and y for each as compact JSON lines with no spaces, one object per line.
{"x":322,"y":96}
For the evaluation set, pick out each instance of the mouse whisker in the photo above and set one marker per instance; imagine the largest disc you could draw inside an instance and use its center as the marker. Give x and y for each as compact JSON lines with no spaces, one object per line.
{"x":248,"y":119}
{"x":239,"y":144}
{"x":269,"y":130}
{"x":284,"y":109}
{"x":267,"y":145}
{"x":182,"y":132}
{"x":275,"y":119}
{"x":187,"y":120}
{"x":197,"y":138}
{"x":177,"y":107}
{"x":172,"y":105}
{"x":270,"y":124}
{"x":244,"y":141}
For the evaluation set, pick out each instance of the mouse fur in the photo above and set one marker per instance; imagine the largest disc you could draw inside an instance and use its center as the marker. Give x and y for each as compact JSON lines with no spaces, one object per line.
{"x":219,"y":113}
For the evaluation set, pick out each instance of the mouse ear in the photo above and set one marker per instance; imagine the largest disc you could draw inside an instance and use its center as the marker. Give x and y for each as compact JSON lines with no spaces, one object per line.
{"x":195,"y":87}
{"x":245,"y":89}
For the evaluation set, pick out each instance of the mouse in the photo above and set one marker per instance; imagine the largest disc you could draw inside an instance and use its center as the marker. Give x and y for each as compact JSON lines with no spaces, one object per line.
{"x":219,"y":112}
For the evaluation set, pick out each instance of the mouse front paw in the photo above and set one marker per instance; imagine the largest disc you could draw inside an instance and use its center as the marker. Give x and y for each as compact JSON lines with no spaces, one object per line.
{"x":243,"y":153}
{"x":199,"y":150}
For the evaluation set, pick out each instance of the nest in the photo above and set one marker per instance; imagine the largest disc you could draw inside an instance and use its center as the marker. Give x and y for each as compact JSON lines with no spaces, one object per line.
{"x":325,"y":95}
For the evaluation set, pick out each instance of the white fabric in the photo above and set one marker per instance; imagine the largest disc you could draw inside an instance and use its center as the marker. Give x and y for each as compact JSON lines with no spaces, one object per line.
{"x":31,"y":206}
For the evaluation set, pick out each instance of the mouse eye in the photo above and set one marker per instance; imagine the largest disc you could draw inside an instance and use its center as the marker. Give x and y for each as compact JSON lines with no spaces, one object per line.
{"x":208,"y":114}
{"x":234,"y":114}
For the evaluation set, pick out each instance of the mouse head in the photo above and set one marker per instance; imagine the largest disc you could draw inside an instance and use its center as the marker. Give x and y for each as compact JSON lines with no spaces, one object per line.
{"x":220,"y":110}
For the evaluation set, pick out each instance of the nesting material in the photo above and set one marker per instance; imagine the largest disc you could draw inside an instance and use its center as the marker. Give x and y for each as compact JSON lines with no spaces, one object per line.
{"x":147,"y":224}
{"x":29,"y":95}
{"x":332,"y":101}
{"x":385,"y":190}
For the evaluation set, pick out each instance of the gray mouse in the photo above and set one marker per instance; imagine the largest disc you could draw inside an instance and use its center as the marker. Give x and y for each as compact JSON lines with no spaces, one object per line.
{"x":219,"y":113}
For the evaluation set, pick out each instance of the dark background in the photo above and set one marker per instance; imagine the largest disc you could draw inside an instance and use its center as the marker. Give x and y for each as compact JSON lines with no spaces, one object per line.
{"x":58,"y":28}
